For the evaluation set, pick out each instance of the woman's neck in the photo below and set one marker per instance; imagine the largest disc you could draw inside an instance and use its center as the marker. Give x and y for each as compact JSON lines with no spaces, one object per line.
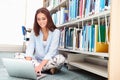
{"x":45,"y":33}
{"x":44,"y":30}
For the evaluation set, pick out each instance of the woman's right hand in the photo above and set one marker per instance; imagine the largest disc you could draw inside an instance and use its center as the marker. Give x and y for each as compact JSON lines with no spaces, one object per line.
{"x":28,"y":58}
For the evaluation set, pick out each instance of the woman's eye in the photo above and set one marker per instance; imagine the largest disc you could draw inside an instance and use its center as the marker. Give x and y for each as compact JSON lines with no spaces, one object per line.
{"x":43,"y":19}
{"x":38,"y":19}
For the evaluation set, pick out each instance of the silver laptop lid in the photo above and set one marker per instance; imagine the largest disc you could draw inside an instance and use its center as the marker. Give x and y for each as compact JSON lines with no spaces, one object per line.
{"x":19,"y":68}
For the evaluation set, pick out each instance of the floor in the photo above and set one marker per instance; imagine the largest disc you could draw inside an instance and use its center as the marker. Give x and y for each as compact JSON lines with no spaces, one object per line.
{"x":64,"y":74}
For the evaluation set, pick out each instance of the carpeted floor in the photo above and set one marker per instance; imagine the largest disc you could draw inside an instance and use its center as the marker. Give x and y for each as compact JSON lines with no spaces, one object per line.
{"x":64,"y":74}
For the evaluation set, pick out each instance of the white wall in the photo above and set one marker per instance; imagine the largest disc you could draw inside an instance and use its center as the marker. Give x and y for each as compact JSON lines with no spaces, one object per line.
{"x":31,"y":11}
{"x":13,"y":16}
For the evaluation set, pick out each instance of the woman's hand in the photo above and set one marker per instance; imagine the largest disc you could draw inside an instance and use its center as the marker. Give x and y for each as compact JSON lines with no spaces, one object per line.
{"x":38,"y":69}
{"x":28,"y":58}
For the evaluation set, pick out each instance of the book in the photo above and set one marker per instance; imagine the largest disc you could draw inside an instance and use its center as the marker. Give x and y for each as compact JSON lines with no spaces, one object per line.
{"x":99,"y":45}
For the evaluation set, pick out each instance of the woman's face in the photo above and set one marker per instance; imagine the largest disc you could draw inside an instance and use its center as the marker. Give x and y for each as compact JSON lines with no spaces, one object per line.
{"x":42,"y":20}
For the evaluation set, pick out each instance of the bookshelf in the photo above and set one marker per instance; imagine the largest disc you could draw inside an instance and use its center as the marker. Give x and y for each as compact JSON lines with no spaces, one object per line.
{"x":86,"y":58}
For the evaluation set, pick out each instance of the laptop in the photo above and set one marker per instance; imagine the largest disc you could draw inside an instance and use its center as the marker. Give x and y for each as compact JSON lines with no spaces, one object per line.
{"x":21,"y":68}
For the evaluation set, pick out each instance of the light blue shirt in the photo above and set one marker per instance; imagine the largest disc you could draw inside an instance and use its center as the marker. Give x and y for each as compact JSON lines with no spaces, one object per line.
{"x":36,"y":46}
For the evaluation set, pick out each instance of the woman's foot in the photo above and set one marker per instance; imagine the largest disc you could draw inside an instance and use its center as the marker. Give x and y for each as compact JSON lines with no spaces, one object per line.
{"x":53,"y":70}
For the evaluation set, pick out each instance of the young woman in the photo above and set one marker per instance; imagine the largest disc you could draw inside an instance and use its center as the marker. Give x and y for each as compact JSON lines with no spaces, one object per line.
{"x":44,"y":42}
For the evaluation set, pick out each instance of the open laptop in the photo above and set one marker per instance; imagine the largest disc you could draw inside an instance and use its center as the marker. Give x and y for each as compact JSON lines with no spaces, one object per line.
{"x":21,"y":68}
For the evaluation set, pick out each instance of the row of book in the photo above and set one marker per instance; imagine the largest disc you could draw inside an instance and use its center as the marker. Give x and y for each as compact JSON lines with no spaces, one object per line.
{"x":84,"y":8}
{"x":79,"y":9}
{"x":60,"y":16}
{"x":53,"y":3}
{"x":92,"y":38}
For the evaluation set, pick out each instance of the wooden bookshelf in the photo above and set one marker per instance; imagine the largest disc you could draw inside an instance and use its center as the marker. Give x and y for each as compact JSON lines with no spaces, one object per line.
{"x":75,"y":57}
{"x":114,"y":51}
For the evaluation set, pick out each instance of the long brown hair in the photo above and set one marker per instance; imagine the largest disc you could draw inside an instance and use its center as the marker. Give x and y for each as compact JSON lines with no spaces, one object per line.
{"x":50,"y":25}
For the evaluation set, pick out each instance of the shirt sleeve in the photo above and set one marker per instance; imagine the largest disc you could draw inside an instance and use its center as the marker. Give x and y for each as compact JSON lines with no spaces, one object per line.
{"x":54,"y":45}
{"x":30,"y":46}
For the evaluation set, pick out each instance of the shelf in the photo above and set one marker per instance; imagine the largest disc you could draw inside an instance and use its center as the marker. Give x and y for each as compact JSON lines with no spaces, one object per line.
{"x":63,"y":3}
{"x":76,"y":57}
{"x":86,"y":52}
{"x":101,"y":14}
{"x":97,"y":69}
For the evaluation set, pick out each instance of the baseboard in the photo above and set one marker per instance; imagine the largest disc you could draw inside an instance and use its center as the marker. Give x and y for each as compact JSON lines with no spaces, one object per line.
{"x":11,"y":48}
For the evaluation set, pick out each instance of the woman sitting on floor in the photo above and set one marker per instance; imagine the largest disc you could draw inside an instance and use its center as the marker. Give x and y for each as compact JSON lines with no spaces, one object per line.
{"x":44,"y":42}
